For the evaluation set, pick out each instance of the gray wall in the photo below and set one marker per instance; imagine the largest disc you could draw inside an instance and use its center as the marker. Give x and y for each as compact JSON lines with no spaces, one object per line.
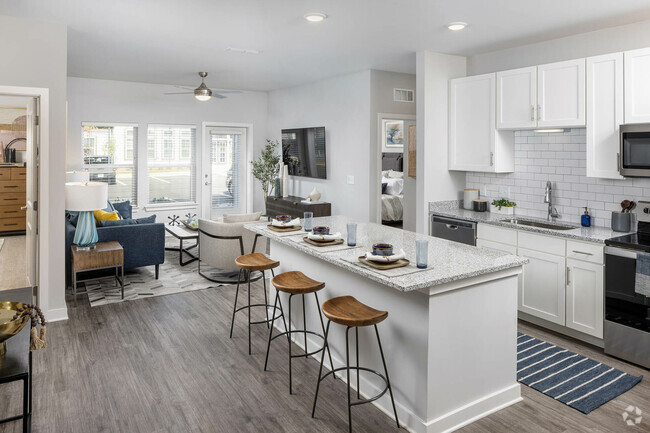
{"x":342,"y":105}
{"x":34,"y":54}
{"x":609,"y":40}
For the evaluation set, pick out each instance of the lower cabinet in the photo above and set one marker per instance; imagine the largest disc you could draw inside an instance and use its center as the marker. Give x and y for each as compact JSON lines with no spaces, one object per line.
{"x":542,"y":288}
{"x":584,"y":297}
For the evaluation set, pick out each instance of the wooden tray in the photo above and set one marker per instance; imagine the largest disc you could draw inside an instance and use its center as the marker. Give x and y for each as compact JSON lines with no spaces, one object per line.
{"x":196,"y":229}
{"x":323,"y":244}
{"x":284,"y":229}
{"x":383,"y":266}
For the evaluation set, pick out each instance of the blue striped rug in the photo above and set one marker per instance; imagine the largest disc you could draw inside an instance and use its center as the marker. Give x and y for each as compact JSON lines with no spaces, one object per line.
{"x":575,"y":380}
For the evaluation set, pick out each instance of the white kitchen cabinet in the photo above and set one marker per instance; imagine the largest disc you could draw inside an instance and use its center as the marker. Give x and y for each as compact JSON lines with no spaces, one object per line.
{"x":542,"y":289}
{"x":474,"y":142}
{"x":584,"y":297}
{"x":637,"y":86}
{"x":604,"y":114}
{"x":496,"y":246}
{"x":517,"y":98}
{"x":561,"y":94}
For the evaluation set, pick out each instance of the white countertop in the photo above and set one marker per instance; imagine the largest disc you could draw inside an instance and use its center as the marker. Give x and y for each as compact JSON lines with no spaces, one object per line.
{"x":448,"y":261}
{"x":589,"y":234}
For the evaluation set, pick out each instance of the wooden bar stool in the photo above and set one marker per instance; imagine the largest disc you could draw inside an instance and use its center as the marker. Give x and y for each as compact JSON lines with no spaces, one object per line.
{"x":296,"y":283}
{"x":347,"y":311}
{"x":247,"y":264}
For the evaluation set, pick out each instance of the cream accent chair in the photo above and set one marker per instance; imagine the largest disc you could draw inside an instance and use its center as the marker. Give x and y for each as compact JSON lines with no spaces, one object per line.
{"x":222,"y":241}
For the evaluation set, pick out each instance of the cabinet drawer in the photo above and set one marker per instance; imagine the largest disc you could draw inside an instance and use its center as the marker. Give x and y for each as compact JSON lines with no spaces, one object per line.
{"x":13,"y":198}
{"x":5,"y":173}
{"x":545,"y":244}
{"x":18,"y":173}
{"x":490,"y":245}
{"x":587,"y":252}
{"x":10,"y":224}
{"x":13,"y":186}
{"x":11,"y":211}
{"x":497,"y":234}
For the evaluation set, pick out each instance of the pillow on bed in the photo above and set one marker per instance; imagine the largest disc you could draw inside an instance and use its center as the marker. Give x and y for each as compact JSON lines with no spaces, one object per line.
{"x":392,"y":174}
{"x":393,"y":186}
{"x":384,"y":173}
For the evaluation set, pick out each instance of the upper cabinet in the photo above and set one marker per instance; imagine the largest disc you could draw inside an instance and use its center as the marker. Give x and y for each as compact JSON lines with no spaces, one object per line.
{"x":517,"y":98}
{"x":561,"y":94}
{"x":637,"y":86}
{"x":474,"y":142}
{"x":604,"y":114}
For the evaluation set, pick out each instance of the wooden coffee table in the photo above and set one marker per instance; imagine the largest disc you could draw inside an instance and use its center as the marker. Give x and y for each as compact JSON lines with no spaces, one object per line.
{"x":105,"y":255}
{"x":183,"y":234}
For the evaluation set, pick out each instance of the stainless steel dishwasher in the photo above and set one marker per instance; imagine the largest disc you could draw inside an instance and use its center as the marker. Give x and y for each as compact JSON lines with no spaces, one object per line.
{"x":453,"y":229}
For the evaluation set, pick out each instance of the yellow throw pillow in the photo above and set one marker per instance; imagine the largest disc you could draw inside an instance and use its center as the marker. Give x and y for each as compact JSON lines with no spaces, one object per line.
{"x":101,"y":215}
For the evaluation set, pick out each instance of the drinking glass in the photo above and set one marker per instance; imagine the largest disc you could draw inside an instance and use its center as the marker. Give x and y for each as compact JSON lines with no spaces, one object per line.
{"x":421,"y":253}
{"x":309,"y":222}
{"x":352,"y":234}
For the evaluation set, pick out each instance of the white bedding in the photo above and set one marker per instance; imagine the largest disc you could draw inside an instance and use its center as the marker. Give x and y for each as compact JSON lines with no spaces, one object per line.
{"x":392,"y":208}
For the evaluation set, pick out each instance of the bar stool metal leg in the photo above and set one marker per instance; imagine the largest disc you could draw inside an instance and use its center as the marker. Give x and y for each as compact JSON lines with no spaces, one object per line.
{"x":250,"y":310}
{"x":268,"y":345}
{"x":347,"y":364}
{"x":356,"y":339}
{"x":322,"y":324}
{"x":320,"y":370}
{"x":390,"y":389}
{"x":266,"y":301}
{"x":234,"y":308}
{"x":290,"y":357}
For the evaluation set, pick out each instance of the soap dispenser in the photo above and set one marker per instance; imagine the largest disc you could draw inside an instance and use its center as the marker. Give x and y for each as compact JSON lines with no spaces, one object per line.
{"x":585,"y":220}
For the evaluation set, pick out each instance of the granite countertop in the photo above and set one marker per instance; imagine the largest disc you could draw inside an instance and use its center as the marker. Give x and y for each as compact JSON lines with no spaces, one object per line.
{"x":589,"y":234}
{"x":448,"y":261}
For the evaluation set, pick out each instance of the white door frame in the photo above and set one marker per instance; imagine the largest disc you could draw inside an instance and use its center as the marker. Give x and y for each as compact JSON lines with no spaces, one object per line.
{"x":44,"y":224}
{"x":205,"y":162}
{"x":375,"y":178}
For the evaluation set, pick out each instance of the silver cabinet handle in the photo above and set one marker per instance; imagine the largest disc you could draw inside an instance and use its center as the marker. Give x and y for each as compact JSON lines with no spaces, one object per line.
{"x":568,"y":276}
{"x":539,"y":112}
{"x":582,"y":252}
{"x":532,"y":112}
{"x":452,"y":227}
{"x":491,"y":158}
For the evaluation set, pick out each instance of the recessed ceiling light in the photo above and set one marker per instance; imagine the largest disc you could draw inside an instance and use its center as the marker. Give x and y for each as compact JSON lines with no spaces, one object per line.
{"x":456,"y":26}
{"x":315,"y":17}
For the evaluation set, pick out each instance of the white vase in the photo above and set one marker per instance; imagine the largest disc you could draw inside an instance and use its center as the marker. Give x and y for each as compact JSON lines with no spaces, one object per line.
{"x":285,"y":181}
{"x":314,"y":195}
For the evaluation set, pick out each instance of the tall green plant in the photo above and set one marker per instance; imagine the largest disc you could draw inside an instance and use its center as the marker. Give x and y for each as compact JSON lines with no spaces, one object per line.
{"x":267,"y":166}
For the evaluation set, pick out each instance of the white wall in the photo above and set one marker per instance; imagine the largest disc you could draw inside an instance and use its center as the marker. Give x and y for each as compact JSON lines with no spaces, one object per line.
{"x":603,"y":41}
{"x":34,"y":54}
{"x":342,"y":106}
{"x":119,"y":101}
{"x":434,"y":181}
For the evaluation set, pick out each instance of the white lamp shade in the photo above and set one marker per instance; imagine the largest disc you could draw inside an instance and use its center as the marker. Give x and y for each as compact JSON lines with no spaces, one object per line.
{"x":86,"y":196}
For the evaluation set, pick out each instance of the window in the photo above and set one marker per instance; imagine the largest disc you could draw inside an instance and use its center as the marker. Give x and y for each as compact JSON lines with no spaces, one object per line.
{"x":109,"y":155}
{"x":171,"y":163}
{"x":223,"y":147}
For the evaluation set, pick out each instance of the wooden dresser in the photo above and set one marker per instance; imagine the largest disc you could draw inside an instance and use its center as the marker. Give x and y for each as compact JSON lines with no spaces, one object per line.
{"x":293,"y":206}
{"x":13,"y":187}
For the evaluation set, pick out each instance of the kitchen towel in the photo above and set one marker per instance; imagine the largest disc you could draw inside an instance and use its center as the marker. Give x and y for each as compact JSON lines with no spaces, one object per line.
{"x":642,"y":280}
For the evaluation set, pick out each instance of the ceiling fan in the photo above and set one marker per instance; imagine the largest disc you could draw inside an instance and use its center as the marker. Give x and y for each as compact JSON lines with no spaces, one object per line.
{"x":203,"y":92}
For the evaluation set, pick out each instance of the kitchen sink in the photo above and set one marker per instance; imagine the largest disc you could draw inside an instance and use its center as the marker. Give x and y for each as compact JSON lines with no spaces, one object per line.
{"x":538,"y":224}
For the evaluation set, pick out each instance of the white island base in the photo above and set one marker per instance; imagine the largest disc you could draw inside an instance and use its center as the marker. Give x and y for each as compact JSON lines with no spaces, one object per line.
{"x":450,"y":348}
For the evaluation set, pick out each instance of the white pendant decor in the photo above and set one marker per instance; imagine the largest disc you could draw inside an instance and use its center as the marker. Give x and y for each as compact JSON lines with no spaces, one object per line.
{"x":285,"y":181}
{"x":314,"y":195}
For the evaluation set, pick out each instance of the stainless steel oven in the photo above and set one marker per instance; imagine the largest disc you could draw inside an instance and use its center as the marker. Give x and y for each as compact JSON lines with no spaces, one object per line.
{"x":634,"y":156}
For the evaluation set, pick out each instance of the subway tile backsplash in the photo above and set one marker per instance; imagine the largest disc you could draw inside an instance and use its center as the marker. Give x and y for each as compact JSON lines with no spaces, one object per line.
{"x":560,"y":158}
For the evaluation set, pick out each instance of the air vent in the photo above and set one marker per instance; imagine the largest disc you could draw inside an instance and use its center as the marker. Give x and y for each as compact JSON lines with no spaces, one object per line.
{"x":403,"y":95}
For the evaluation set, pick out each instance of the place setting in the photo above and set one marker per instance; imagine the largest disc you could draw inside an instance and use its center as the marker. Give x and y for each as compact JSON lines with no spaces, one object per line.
{"x":391,"y":262}
{"x":322,"y":238}
{"x":285,"y":225}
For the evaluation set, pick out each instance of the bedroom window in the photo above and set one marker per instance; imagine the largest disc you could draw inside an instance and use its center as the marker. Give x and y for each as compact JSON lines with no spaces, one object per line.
{"x":109,"y":155}
{"x":171,"y":164}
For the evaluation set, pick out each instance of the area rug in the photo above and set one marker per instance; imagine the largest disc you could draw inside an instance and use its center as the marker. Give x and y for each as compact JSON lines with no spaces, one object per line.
{"x":141,"y":283}
{"x":575,"y":380}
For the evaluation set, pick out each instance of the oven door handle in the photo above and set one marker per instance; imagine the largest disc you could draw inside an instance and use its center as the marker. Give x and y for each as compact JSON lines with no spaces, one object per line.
{"x":622,"y":252}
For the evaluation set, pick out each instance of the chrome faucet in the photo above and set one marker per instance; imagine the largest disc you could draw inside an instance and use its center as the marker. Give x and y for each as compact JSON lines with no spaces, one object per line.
{"x":548,"y":198}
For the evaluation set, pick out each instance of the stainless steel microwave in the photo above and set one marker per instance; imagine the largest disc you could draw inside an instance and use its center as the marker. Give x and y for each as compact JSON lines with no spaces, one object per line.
{"x":634,"y":156}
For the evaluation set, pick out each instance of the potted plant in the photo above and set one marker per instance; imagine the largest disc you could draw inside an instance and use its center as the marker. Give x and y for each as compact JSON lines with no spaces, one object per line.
{"x":503,"y":206}
{"x":266,"y":168}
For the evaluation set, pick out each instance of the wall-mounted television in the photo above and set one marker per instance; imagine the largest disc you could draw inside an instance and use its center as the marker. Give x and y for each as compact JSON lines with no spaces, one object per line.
{"x":303,"y":151}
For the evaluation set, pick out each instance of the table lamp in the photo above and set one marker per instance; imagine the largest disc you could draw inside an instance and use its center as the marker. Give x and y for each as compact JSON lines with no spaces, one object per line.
{"x":86,"y":197}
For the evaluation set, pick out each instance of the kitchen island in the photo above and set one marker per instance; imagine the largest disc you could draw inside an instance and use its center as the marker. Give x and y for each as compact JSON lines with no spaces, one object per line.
{"x":450,"y":336}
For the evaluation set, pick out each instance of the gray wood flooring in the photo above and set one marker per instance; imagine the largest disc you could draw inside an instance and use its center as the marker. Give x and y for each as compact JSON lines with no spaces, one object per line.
{"x":166,"y":364}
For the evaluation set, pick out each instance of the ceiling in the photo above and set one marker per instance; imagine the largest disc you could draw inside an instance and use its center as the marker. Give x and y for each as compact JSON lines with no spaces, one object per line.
{"x":169,"y":41}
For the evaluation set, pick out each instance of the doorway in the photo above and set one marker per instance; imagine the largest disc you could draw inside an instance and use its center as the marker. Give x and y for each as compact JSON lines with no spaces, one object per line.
{"x":19,"y":139}
{"x":224,"y":182}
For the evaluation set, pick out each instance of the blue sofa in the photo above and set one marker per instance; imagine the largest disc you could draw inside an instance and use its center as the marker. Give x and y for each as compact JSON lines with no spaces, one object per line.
{"x":144,"y":244}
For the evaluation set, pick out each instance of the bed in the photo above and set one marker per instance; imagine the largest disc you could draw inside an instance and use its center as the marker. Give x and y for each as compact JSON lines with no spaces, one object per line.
{"x":392,"y":183}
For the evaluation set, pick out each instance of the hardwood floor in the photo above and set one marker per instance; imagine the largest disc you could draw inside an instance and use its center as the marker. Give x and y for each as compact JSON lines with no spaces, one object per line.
{"x":166,"y":364}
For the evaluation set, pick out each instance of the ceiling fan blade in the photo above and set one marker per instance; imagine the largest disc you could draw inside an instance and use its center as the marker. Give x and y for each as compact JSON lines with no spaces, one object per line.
{"x":229,"y":91}
{"x":179,"y":93}
{"x":184,"y":87}
{"x":218,"y":96}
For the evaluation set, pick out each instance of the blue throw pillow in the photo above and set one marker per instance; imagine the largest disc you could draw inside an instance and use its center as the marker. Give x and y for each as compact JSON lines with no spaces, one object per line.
{"x":146,"y":220}
{"x":123,"y":208}
{"x":384,"y":187}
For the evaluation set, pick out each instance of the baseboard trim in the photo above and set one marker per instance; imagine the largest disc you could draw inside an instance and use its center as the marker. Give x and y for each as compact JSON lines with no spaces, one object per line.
{"x":56,"y":315}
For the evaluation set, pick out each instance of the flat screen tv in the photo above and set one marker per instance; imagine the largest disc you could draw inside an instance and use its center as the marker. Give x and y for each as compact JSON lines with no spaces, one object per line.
{"x":303,"y":151}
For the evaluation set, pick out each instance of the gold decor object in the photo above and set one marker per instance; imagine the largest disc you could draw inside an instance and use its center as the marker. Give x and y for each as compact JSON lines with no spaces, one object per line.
{"x":9,"y":325}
